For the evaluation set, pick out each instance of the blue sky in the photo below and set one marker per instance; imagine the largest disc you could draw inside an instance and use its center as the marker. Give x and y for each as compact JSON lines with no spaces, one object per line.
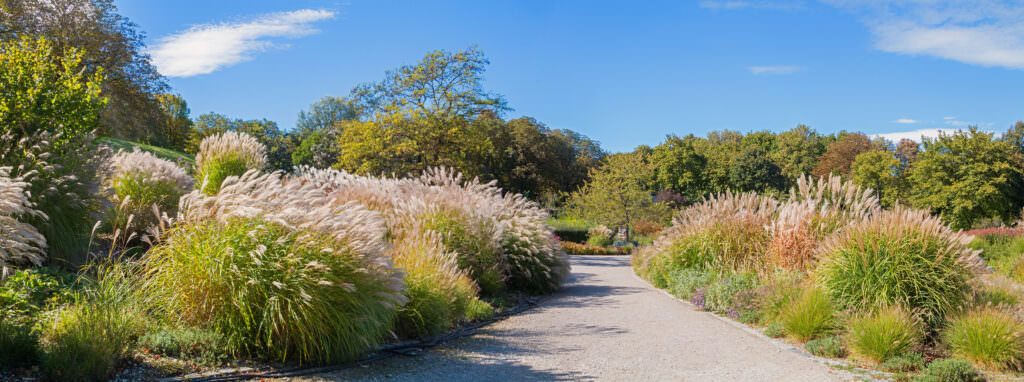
{"x":624,"y":73}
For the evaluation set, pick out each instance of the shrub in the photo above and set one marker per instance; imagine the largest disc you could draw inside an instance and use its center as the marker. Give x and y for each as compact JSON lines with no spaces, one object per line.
{"x":903,"y":363}
{"x":898,"y":258}
{"x":600,"y":236}
{"x":882,"y":335}
{"x":830,"y":347}
{"x":810,"y":316}
{"x":683,"y":283}
{"x":141,"y":182}
{"x":205,"y":346}
{"x":49,"y":109}
{"x":227,"y":154}
{"x":777,"y":294}
{"x":590,"y":250}
{"x":950,"y":370}
{"x":775,"y":330}
{"x":719,"y":296}
{"x":20,"y":242}
{"x":988,"y":336}
{"x":276,"y":292}
{"x":996,"y":291}
{"x":647,"y":228}
{"x":439,"y":293}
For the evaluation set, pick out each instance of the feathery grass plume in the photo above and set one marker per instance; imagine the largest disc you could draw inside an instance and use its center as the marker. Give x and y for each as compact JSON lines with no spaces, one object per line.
{"x":991,"y":337}
{"x":440,"y":294}
{"x":727,"y":232}
{"x":500,"y":239}
{"x":145,"y":187}
{"x":816,"y":209}
{"x":20,"y":242}
{"x":898,"y":257}
{"x":226,"y":154}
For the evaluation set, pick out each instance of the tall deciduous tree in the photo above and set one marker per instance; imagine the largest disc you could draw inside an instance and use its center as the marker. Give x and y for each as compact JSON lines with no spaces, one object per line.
{"x":841,"y":154}
{"x":799,"y":150}
{"x":753,"y":171}
{"x":175,"y":123}
{"x":617,"y":194}
{"x":966,"y":176}
{"x":678,"y":167}
{"x":881,"y":171}
{"x":106,"y":40}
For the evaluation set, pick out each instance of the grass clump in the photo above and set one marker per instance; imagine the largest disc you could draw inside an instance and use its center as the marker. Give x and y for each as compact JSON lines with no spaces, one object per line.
{"x":809,"y":316}
{"x":144,"y":184}
{"x":227,"y":154}
{"x":898,"y":258}
{"x":990,"y":337}
{"x":272,"y":291}
{"x":884,"y":334}
{"x":683,"y":283}
{"x":775,"y":330}
{"x":720,"y":295}
{"x":830,"y":347}
{"x":439,"y":293}
{"x":950,"y":370}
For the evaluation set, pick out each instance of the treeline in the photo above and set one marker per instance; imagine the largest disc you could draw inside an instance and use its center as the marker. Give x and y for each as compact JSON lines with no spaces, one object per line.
{"x":969,"y":177}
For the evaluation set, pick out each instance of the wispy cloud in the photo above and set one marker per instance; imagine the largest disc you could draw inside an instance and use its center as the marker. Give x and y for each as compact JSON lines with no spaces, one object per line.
{"x":906,"y":120}
{"x":774,"y":69}
{"x":978,"y":32}
{"x":207,"y":48}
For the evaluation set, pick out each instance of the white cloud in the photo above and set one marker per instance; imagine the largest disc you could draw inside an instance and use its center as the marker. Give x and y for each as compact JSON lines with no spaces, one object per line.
{"x":777,"y":69}
{"x":207,"y":48}
{"x":948,"y":118}
{"x":977,"y":32}
{"x":914,"y":135}
{"x":906,"y":120}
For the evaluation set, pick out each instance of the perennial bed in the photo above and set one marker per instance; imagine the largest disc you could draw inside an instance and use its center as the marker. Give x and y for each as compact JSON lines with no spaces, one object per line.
{"x":830,"y":268}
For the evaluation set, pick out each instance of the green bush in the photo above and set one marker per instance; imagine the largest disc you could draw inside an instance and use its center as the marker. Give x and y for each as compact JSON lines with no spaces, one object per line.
{"x":683,"y":283}
{"x":950,"y":370}
{"x":897,"y":258}
{"x":719,"y":296}
{"x":882,"y":335}
{"x":205,"y":346}
{"x":810,"y":316}
{"x":830,"y":347}
{"x":272,"y":291}
{"x":49,"y":109}
{"x":990,"y":337}
{"x":903,"y":363}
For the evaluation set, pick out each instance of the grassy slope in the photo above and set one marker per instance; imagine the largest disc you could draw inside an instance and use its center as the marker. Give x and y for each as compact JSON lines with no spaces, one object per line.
{"x":171,"y":155}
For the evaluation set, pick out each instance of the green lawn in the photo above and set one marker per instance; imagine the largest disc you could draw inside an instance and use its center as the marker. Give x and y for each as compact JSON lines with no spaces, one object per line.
{"x":171,"y":155}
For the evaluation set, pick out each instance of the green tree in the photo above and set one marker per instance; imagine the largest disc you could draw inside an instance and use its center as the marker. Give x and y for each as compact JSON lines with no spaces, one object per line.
{"x":48,"y":110}
{"x":798,"y":151}
{"x":880,"y":171}
{"x":720,"y":149}
{"x":966,"y":176}
{"x":753,"y":171}
{"x":108,"y":43}
{"x":325,"y":113}
{"x":841,"y":154}
{"x":678,"y":167}
{"x":616,"y":194}
{"x":175,"y":123}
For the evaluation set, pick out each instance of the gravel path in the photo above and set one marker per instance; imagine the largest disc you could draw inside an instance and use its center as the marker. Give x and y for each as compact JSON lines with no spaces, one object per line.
{"x":605,"y":324}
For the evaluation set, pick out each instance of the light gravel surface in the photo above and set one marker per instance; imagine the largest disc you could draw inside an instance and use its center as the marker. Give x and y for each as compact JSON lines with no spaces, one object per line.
{"x":605,"y":324}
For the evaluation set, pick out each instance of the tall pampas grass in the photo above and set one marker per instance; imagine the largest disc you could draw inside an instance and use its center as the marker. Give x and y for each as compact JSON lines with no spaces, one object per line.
{"x":227,"y":154}
{"x":20,"y":242}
